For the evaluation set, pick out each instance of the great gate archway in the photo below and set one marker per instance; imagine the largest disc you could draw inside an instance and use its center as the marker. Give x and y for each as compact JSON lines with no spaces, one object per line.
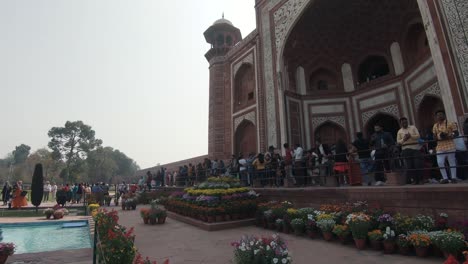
{"x":245,"y":138}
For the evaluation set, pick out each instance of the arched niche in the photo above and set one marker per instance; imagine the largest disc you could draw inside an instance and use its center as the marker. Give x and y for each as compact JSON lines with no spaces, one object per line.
{"x":322,"y":79}
{"x":244,"y":87}
{"x":373,"y":67}
{"x":329,"y":133}
{"x":426,"y":112}
{"x":389,"y":122}
{"x":245,"y":140}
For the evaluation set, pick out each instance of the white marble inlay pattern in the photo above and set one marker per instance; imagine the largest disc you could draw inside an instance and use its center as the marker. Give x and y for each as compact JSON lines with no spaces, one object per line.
{"x":247,"y":60}
{"x":317,"y":121}
{"x":250,"y":116}
{"x":390,"y":109}
{"x":434,"y":89}
{"x":284,"y":18}
{"x":457,"y":15}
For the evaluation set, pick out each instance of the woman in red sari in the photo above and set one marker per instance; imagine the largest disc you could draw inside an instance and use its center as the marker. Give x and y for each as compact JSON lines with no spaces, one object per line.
{"x":18,"y":199}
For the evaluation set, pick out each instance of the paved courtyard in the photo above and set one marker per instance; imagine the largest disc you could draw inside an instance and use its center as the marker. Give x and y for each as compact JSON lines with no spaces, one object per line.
{"x":184,"y":244}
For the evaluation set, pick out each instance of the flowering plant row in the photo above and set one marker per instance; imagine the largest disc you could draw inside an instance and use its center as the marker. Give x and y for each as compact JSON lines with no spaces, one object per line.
{"x":115,"y":242}
{"x":216,"y":192}
{"x":257,"y":250}
{"x":364,"y":222}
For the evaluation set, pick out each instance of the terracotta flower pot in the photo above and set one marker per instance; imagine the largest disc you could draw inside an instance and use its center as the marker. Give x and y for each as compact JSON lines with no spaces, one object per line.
{"x":328,"y":236}
{"x":227,"y":218}
{"x":152,"y":221}
{"x":219,"y":218}
{"x":404,"y":250}
{"x":360,"y":243}
{"x":343,"y":239}
{"x":376,"y":244}
{"x":312,"y":234}
{"x":161,"y":220}
{"x":271,"y":225}
{"x":389,"y":247}
{"x":422,"y":251}
{"x":3,"y":259}
{"x":210,"y":219}
{"x":145,"y":220}
{"x":235,"y":216}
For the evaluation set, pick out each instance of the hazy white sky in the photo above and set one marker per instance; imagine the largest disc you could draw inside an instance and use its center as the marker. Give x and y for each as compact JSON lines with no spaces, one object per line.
{"x":134,"y":70}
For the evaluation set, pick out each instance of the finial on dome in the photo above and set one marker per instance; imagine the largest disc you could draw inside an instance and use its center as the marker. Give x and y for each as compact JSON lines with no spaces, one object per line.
{"x":223,"y":15}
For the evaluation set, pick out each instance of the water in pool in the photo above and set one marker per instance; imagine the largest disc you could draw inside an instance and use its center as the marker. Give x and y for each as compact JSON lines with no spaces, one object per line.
{"x":50,"y":236}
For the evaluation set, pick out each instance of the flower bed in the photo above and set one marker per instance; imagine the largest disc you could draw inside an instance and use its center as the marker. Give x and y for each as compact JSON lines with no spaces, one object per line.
{"x":116,"y":242}
{"x":253,"y":250}
{"x":216,"y":200}
{"x":384,"y":230}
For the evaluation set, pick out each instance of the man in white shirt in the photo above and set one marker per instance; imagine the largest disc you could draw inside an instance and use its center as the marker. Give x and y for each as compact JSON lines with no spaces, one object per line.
{"x":47,"y":189}
{"x":245,"y":180}
{"x":407,"y":138}
{"x":53,"y":190}
{"x":300,"y":171}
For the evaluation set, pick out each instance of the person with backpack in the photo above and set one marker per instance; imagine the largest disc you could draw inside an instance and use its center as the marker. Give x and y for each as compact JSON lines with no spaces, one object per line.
{"x":260,"y":164}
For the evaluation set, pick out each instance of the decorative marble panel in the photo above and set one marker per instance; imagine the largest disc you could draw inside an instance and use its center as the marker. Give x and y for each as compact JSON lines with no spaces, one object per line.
{"x":268,"y":75}
{"x":434,"y":89}
{"x":391,"y":109}
{"x":317,"y":121}
{"x":247,"y":60}
{"x":456,"y":12}
{"x":284,"y":18}
{"x":250,"y":116}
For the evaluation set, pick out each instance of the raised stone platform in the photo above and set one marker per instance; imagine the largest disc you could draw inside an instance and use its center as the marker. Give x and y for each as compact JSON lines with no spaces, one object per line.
{"x":428,"y":199}
{"x":211,"y":226}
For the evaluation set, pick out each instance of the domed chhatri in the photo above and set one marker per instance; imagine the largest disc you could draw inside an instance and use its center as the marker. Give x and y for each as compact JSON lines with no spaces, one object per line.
{"x":222,"y":20}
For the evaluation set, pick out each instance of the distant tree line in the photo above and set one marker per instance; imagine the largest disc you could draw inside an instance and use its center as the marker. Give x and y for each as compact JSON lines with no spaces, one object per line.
{"x":74,"y":155}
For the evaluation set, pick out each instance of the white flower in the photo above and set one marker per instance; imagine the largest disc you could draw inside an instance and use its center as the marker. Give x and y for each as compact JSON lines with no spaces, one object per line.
{"x":243,"y":244}
{"x":284,"y":261}
{"x":387,"y":230}
{"x":256,"y":251}
{"x":273,"y":244}
{"x":251,"y":243}
{"x":242,"y":248}
{"x":392,"y":234}
{"x":275,"y":260}
{"x":267,"y":247}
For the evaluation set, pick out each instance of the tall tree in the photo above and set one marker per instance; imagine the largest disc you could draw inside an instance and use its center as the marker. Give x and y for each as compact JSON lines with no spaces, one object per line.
{"x":71,"y":144}
{"x":101,"y":164}
{"x":21,"y":153}
{"x":37,"y":186}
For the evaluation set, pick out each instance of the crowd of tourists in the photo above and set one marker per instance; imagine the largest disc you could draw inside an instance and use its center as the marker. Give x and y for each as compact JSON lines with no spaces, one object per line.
{"x":435,"y":156}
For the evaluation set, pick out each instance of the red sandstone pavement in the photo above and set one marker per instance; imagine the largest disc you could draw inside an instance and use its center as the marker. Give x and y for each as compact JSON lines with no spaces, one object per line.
{"x":185,"y":244}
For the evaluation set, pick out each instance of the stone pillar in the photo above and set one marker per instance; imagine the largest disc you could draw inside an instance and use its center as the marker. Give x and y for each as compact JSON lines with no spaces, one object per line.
{"x":437,"y":57}
{"x":347,"y":73}
{"x":397,"y":58}
{"x":300,"y":81}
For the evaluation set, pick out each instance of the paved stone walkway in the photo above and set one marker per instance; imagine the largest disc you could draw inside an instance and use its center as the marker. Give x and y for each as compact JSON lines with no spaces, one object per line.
{"x":184,"y":244}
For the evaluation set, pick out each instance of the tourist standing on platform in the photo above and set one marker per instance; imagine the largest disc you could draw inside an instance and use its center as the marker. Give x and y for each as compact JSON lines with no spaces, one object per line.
{"x":47,"y":189}
{"x":243,"y":175}
{"x":444,"y":132}
{"x":53,"y":190}
{"x":341,"y":162}
{"x":408,"y":138}
{"x":324,"y":153}
{"x":288,"y":159}
{"x":381,"y":141}
{"x":365,"y":161}
{"x":19,"y":196}
{"x":300,"y":171}
{"x":260,"y":164}
{"x":141,"y":183}
{"x":149,"y":178}
{"x":6,"y":193}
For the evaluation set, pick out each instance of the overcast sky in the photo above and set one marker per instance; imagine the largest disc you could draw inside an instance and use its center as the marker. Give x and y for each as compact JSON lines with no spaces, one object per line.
{"x":134,"y":70}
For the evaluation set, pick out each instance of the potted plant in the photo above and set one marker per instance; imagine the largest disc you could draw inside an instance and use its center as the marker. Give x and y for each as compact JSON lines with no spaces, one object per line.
{"x":279,"y":224}
{"x":272,"y":250}
{"x":450,"y":242}
{"x":342,"y":232}
{"x":162,"y":214}
{"x":375,"y":238}
{"x":385,"y":220}
{"x":403,"y":244}
{"x":48,"y":212}
{"x":6,"y":250}
{"x":359,"y":224}
{"x":389,"y":241}
{"x":153,"y":215}
{"x":421,"y":242}
{"x":58,"y":214}
{"x":298,"y":226}
{"x":442,"y":221}
{"x":326,"y":225}
{"x":311,"y":226}
{"x":144,"y":213}
{"x":93,"y":207}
